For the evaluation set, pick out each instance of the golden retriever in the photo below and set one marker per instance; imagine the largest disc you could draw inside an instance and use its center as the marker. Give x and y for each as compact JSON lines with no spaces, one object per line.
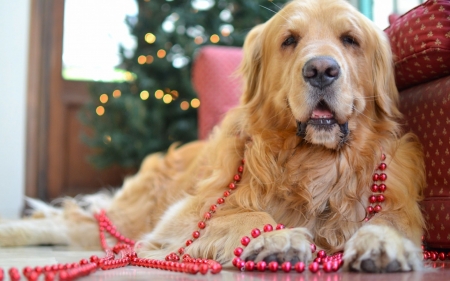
{"x":318,"y":111}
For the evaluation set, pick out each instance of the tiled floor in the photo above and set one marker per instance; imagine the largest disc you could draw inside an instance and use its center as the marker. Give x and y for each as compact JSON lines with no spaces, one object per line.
{"x":39,"y":256}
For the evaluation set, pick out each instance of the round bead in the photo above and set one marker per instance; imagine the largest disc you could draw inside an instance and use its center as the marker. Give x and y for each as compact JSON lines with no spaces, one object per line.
{"x":245,"y":240}
{"x":84,"y":261}
{"x":232,"y":185}
{"x":238,"y":251}
{"x":327,"y":267}
{"x":280,"y":226}
{"x":194,"y":269}
{"x":237,"y":177}
{"x":201,"y":225}
{"x":188,"y":242}
{"x":203,"y":269}
{"x":94,"y":258}
{"x":313,"y":248}
{"x":321,"y":254}
{"x":181,"y":251}
{"x":220,"y":201}
{"x":370,"y":209}
{"x":299,"y":267}
{"x":374,"y":187}
{"x":377,"y":209}
{"x":241,"y":169}
{"x":382,"y":187}
{"x":433,"y":256}
{"x":243,"y":161}
{"x":335,"y":265}
{"x":47,"y":268}
{"x":376,"y":177}
{"x":27,"y":270}
{"x":196,"y":234}
{"x":255,"y":232}
{"x":372,"y":199}
{"x":380,"y":198}
{"x":33,"y":276}
{"x":313,"y":267}
{"x":250,"y":265}
{"x":226,"y":193}
{"x":318,"y":260}
{"x":382,"y":166}
{"x":216,"y":268}
{"x":383,"y":177}
{"x":268,"y":228}
{"x":273,"y":266}
{"x":49,"y":276}
{"x":213,"y":208}
{"x":441,"y":256}
{"x":207,"y":215}
{"x":236,"y":261}
{"x":63,"y":275}
{"x":286,"y":266}
{"x":261,"y":265}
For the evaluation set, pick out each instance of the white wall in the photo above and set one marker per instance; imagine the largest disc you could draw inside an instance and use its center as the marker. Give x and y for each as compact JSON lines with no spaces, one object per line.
{"x":14,"y":27}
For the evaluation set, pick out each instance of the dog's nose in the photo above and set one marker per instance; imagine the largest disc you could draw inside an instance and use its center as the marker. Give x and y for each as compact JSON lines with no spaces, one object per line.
{"x":320,"y":72}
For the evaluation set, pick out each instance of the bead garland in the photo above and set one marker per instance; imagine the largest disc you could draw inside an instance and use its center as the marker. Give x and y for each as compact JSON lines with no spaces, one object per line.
{"x":378,"y":188}
{"x":327,"y":263}
{"x":181,"y":262}
{"x":180,"y":255}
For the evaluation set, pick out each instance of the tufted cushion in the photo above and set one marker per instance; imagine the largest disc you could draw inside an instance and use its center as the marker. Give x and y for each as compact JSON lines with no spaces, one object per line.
{"x":420,"y":41}
{"x":218,"y":90}
{"x":427,"y":112}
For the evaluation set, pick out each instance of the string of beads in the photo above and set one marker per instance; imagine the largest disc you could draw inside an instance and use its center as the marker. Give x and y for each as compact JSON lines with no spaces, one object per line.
{"x":182,"y":262}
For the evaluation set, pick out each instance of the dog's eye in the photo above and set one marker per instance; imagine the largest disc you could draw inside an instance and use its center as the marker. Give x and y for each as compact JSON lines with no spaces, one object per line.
{"x":349,"y":41}
{"x":291,"y":40}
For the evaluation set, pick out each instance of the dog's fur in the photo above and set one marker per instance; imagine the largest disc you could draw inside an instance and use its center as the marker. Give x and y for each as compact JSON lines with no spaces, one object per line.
{"x":316,"y":182}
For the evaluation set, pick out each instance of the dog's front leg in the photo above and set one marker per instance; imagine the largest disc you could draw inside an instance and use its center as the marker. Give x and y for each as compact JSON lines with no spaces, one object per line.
{"x":379,"y":247}
{"x":224,"y":234}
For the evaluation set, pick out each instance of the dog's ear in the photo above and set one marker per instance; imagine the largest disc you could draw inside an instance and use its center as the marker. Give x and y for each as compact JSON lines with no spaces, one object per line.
{"x":250,"y":67}
{"x":385,"y":90}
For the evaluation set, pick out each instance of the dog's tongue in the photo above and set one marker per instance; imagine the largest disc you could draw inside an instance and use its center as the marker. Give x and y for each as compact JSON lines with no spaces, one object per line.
{"x":322,"y":113}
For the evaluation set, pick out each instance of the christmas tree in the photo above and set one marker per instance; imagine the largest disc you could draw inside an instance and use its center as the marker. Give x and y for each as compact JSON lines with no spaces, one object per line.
{"x":157,"y":105}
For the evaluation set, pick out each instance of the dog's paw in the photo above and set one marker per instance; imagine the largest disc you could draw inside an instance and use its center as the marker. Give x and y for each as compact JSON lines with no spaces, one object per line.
{"x":376,"y":248}
{"x":292,"y":245}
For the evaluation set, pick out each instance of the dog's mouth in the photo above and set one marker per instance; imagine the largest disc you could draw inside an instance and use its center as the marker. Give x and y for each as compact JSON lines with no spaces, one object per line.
{"x":322,"y":118}
{"x":322,"y":115}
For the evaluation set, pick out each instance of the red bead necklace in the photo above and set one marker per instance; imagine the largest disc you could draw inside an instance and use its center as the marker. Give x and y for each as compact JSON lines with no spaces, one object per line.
{"x":182,"y":262}
{"x":327,"y":263}
{"x":378,"y":188}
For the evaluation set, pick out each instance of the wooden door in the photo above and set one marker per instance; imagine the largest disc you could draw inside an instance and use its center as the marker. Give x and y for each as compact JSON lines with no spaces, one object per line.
{"x":56,"y":163}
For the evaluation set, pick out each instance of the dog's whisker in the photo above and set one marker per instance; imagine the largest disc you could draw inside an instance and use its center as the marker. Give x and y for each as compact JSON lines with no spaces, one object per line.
{"x":362,"y":114}
{"x":273,"y":3}
{"x":268,"y":9}
{"x":274,"y":12}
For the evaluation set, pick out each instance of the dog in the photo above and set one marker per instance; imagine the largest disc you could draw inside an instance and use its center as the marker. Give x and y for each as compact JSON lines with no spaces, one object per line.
{"x":317,"y":119}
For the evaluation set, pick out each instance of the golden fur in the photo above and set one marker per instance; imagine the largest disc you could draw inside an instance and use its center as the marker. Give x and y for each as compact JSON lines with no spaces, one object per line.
{"x":317,"y":185}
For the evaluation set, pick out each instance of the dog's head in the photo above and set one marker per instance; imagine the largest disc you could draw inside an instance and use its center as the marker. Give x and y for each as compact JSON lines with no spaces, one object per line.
{"x":321,"y":69}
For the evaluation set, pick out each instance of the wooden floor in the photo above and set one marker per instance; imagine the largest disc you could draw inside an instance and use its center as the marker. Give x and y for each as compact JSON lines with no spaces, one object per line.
{"x":40,"y":256}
